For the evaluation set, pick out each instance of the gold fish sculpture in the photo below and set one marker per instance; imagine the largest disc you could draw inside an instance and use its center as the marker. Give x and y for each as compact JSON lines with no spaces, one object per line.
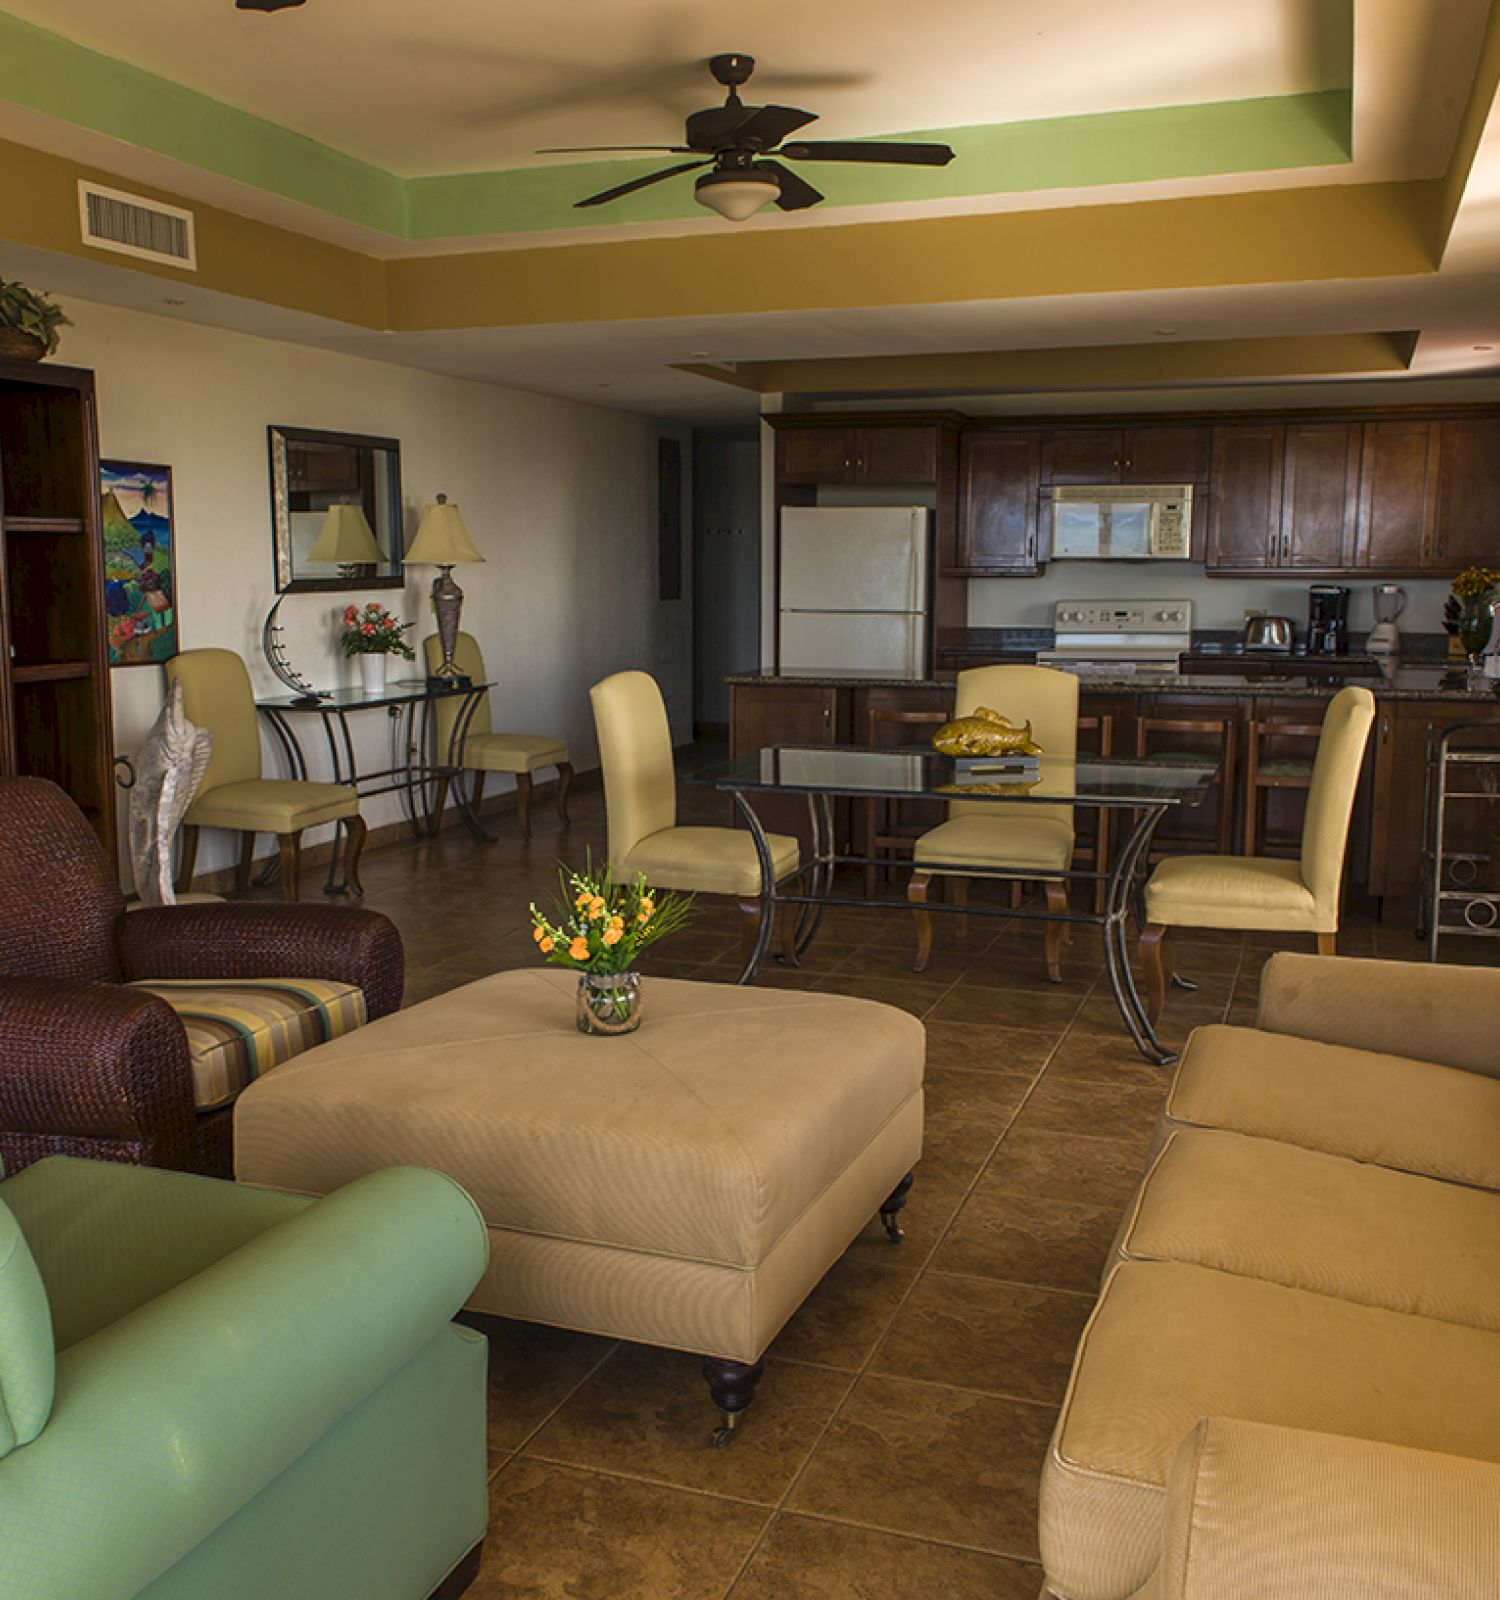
{"x":985,"y":733}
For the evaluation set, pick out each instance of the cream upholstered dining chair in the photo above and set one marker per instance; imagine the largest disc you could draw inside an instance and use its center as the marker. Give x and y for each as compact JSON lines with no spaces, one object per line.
{"x":485,"y":751}
{"x":216,"y":694}
{"x":640,"y":802}
{"x":1263,"y":892}
{"x":1018,"y":841}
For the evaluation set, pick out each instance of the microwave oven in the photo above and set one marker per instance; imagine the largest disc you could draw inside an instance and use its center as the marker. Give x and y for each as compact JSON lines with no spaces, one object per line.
{"x":1122,"y":522}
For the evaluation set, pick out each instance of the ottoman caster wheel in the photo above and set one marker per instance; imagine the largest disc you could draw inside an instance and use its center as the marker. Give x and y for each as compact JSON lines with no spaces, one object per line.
{"x":891,"y":1209}
{"x":731,"y":1387}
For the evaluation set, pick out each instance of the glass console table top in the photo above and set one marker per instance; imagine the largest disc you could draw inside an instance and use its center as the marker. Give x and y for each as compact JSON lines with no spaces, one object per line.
{"x":918,"y":771}
{"x":397,"y":692}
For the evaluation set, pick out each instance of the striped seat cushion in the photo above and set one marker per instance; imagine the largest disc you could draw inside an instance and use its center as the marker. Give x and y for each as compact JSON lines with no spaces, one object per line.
{"x":237,"y":1031}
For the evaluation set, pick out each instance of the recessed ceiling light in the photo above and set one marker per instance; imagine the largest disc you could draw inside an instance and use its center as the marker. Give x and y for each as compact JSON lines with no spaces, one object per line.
{"x":697,"y":355}
{"x":604,"y":386}
{"x":1164,"y":333}
{"x":1484,"y":347}
{"x":167,"y":302}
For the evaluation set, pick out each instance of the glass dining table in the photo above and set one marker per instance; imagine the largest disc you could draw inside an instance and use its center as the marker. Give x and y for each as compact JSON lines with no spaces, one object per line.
{"x":1144,"y":791}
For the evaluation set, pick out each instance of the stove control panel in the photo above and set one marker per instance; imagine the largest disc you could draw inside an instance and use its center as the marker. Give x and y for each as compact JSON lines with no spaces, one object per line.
{"x":1123,"y":617}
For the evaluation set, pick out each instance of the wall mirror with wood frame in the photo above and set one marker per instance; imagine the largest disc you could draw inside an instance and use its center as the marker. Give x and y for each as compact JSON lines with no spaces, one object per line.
{"x":312,"y":471}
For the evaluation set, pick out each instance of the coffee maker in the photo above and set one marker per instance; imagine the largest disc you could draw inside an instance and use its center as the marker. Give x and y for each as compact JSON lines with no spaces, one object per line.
{"x":1327,"y":620}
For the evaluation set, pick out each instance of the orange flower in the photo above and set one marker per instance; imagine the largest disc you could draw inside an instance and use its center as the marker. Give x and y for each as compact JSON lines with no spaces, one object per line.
{"x":579,"y":950}
{"x":612,"y":936}
{"x":643,"y":916}
{"x":544,"y":943}
{"x":596,"y":910}
{"x":648,"y":905}
{"x":538,"y":934}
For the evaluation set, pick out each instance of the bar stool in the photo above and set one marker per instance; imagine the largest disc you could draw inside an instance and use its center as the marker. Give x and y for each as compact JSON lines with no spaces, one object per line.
{"x":882,"y":833}
{"x":1220,"y":729}
{"x":1281,"y":772}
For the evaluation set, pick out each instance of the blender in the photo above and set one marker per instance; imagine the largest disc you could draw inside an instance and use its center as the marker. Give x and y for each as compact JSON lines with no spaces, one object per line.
{"x":1385,"y":637}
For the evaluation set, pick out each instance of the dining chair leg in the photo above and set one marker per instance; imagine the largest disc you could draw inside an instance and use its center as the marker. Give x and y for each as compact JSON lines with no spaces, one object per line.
{"x":1057,"y":903}
{"x":290,"y":847}
{"x":1017,"y":891}
{"x":356,"y":829}
{"x":188,"y":858}
{"x":958,"y":893}
{"x":564,"y":785}
{"x":1328,"y":944}
{"x":523,"y":803}
{"x":1154,"y":957}
{"x":787,"y":932}
{"x":916,"y":894}
{"x":246,"y":861}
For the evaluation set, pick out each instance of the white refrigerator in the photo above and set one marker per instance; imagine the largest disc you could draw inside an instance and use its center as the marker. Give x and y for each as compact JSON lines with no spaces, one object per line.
{"x":853,"y":590}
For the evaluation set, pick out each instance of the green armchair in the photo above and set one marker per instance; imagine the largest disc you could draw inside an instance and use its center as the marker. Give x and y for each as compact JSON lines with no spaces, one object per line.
{"x":207,"y":1389}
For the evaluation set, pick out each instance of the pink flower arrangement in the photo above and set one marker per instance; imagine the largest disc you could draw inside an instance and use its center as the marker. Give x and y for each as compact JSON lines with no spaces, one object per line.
{"x":372,"y":631}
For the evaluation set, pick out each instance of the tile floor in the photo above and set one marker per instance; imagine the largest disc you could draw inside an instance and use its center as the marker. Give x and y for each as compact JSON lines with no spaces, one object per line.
{"x":894,"y":1448}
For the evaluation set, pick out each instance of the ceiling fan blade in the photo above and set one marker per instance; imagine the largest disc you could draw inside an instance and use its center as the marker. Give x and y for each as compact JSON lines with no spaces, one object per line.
{"x":641,"y":149}
{"x":915,"y":155}
{"x":796,"y":193}
{"x":640,"y":183}
{"x":266,"y":5}
{"x":767,"y":126}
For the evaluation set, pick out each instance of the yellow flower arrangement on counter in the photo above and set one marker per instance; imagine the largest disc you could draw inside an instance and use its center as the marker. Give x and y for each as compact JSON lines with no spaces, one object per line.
{"x":598,"y":929}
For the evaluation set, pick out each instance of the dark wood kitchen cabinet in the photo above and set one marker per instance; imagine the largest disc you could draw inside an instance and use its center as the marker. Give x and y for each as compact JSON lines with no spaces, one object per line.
{"x":885,"y":455}
{"x":1397,"y":495}
{"x":1244,"y":513}
{"x":762,"y":715}
{"x":1320,"y":496}
{"x":1467,"y":531}
{"x":1150,"y":454}
{"x":998,"y":530}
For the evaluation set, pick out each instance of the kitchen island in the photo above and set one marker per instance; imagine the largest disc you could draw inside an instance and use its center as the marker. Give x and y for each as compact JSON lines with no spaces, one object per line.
{"x":1121,"y":713}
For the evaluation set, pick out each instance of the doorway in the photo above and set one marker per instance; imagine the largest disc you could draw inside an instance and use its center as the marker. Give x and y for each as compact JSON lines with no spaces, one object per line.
{"x":726,"y":568}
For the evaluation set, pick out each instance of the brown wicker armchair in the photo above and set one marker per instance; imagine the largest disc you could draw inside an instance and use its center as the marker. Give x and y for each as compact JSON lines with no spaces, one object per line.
{"x":91,"y":1068}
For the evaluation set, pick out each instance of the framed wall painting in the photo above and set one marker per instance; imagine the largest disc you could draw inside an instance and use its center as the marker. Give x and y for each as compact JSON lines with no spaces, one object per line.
{"x":140,"y":563}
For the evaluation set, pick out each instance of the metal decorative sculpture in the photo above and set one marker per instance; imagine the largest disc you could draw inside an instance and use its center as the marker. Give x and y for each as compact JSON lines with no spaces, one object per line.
{"x":168,"y":770}
{"x":985,"y":733}
{"x":272,"y":643}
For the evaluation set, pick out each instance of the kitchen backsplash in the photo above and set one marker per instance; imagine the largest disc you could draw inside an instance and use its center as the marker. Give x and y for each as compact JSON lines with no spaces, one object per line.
{"x":1218,"y":603}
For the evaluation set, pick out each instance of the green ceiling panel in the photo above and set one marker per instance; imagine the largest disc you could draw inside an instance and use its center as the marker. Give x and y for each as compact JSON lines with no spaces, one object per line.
{"x":53,"y":75}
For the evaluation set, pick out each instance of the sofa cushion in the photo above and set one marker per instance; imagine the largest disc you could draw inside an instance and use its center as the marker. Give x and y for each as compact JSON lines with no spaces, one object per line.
{"x":1409,"y":1115}
{"x":237,"y":1030}
{"x":28,"y":1356}
{"x":1269,"y":1210}
{"x":1170,"y":1343}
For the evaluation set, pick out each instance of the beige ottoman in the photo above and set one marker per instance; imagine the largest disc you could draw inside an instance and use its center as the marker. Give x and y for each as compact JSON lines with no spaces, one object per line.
{"x":685,"y":1185}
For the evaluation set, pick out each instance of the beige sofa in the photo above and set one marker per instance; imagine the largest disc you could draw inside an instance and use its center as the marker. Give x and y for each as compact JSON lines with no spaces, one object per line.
{"x":1290,"y":1385}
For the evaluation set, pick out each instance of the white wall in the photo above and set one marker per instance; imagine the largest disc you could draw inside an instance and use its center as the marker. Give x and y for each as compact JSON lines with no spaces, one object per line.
{"x":559,"y":496}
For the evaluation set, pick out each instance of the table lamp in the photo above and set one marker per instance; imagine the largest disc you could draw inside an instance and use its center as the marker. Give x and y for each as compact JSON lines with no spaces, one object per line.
{"x":443,"y":541}
{"x":346,"y":538}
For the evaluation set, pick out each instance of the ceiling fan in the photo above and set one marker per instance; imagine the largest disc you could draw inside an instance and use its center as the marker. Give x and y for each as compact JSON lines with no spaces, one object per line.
{"x":737,"y":141}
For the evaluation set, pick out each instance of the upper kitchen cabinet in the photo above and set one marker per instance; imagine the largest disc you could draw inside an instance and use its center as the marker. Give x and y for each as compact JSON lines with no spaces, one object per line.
{"x":892,"y":454}
{"x":999,"y":484}
{"x":1320,"y":496}
{"x":1467,"y":531}
{"x":1161,"y":453}
{"x":1244,"y":515}
{"x":1397,"y":495}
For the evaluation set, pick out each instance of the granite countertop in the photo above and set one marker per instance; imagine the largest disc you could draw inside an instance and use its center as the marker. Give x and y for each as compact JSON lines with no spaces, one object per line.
{"x":1425,"y":681}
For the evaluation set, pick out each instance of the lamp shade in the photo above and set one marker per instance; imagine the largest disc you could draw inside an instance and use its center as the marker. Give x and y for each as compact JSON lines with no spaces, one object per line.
{"x":442,"y":539}
{"x":346,"y":539}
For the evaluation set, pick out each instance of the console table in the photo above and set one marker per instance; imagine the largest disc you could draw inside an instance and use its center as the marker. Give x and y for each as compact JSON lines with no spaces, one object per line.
{"x":418,"y":771}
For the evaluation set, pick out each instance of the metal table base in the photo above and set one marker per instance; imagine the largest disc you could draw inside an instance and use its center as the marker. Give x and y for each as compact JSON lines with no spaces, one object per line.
{"x":1122,"y":882}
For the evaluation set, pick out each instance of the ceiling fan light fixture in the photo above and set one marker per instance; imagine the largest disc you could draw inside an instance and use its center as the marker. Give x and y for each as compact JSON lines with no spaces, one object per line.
{"x":736,"y":196}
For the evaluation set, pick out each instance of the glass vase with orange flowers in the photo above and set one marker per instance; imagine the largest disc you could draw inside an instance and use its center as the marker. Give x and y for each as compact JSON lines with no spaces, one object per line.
{"x":599,"y":927}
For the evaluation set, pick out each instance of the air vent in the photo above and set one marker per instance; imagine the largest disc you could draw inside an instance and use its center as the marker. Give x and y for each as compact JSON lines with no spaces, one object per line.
{"x":131,"y":226}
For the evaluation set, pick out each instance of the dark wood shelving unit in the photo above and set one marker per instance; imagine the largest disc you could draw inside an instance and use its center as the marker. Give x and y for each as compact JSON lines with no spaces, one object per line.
{"x":55,"y":719}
